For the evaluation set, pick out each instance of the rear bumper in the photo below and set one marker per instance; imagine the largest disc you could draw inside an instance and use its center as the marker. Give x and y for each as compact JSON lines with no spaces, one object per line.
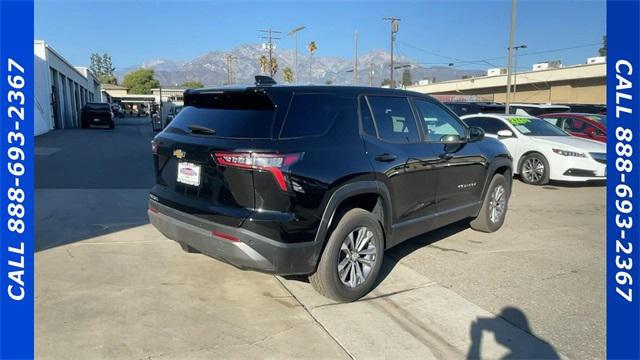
{"x":246,"y":250}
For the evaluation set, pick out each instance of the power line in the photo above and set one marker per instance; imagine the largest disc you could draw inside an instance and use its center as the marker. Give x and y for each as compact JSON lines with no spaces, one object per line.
{"x":486,"y":60}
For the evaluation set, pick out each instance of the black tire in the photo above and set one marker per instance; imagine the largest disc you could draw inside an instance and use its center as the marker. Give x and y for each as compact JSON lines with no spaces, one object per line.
{"x":534,"y":179}
{"x":326,"y":279}
{"x":484,"y":222}
{"x":112,"y":125}
{"x":84,"y":125}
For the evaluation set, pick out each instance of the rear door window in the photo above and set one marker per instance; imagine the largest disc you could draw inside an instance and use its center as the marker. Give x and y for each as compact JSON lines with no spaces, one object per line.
{"x":231,"y":115}
{"x":394,"y":119}
{"x":310,"y":115}
{"x":489,"y":125}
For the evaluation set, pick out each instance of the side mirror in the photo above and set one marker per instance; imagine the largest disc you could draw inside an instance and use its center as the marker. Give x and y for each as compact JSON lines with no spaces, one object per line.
{"x":475,"y":133}
{"x":505,"y":134}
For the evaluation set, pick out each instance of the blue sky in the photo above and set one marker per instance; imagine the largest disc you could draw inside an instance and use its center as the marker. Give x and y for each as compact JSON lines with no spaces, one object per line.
{"x":430,"y":31}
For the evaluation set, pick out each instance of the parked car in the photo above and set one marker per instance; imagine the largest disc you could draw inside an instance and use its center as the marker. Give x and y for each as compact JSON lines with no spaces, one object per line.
{"x":600,"y":109}
{"x":465,"y":108}
{"x":543,"y":152}
{"x":320,"y":180}
{"x":537,"y":109}
{"x":116,"y":109}
{"x":173,"y":112}
{"x":588,"y":126}
{"x":96,"y":114}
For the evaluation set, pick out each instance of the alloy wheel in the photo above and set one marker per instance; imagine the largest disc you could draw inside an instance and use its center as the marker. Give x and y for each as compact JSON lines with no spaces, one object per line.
{"x":357,"y":257}
{"x":533,"y":170}
{"x":497,"y":204}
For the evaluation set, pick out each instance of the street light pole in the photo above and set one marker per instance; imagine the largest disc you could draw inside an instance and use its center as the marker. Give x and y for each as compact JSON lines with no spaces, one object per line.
{"x":294,"y":32}
{"x":512,"y":31}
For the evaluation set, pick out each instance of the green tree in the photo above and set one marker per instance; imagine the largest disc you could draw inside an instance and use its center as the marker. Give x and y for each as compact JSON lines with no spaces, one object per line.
{"x":192,"y":84}
{"x":406,"y":77}
{"x":140,"y":81}
{"x":385,"y":82}
{"x":603,"y":50}
{"x":312,"y":47}
{"x":328,"y":82}
{"x":102,"y":67}
{"x":264,"y":63}
{"x":287,"y":73}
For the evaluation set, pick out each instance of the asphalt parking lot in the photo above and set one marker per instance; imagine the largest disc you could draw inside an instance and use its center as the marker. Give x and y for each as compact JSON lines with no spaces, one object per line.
{"x":108,"y":285}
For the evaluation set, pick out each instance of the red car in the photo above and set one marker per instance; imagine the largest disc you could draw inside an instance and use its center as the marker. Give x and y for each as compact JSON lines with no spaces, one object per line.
{"x":588,"y":126}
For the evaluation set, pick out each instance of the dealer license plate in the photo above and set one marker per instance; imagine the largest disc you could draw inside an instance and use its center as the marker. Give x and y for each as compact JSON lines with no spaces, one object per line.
{"x":189,"y":173}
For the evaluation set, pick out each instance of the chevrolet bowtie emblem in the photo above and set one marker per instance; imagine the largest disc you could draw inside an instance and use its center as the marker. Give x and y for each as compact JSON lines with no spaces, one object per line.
{"x":179,"y":153}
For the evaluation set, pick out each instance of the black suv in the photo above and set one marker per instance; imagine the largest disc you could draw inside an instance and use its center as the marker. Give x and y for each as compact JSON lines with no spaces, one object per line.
{"x":320,"y":180}
{"x":96,"y":114}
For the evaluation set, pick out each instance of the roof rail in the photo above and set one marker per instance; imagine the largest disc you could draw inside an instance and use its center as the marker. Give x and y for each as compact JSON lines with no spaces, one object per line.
{"x":264,"y":80}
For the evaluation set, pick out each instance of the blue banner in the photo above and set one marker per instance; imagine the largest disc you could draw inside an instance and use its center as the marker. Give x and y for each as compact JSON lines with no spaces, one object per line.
{"x":16,"y":182}
{"x":623,"y":180}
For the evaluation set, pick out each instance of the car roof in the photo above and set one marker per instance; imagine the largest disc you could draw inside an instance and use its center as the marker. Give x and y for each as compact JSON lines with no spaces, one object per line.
{"x":332,"y":89}
{"x":541,"y":106}
{"x":505,"y":117}
{"x":572,"y":114}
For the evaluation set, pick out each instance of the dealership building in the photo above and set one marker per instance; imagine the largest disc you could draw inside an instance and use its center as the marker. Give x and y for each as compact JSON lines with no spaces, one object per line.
{"x":547,"y":82}
{"x":60,"y":90}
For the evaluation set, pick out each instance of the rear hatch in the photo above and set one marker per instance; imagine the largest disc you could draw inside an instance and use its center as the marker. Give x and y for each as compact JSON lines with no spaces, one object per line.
{"x":188,"y":177}
{"x":96,"y":110}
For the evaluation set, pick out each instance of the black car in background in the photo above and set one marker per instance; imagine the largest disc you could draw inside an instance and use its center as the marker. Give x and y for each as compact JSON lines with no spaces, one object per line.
{"x":96,"y":114}
{"x":320,"y":180}
{"x":467,"y":108}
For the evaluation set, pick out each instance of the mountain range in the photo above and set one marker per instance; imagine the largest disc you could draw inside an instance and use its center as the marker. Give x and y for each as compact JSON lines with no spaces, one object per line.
{"x":211,"y":68}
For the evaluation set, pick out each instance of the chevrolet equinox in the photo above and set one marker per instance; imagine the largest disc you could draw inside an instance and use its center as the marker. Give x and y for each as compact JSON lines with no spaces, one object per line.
{"x":320,"y":180}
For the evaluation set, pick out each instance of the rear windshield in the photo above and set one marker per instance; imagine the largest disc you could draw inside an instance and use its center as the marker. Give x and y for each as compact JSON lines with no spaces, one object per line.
{"x":232,"y":115}
{"x":97,"y":106}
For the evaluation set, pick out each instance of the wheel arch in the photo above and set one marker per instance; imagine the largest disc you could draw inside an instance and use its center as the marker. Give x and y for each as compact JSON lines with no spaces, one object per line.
{"x":372,"y":196}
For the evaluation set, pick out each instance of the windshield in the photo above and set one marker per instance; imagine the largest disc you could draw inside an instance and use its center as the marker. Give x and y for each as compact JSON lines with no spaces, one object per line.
{"x":602,"y":119}
{"x":535,"y":127}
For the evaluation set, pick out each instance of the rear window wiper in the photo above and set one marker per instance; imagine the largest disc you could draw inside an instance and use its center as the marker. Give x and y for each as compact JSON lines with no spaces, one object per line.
{"x":197,"y":129}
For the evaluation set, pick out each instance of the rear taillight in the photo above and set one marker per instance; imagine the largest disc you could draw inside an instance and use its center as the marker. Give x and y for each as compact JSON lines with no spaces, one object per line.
{"x":273,"y":163}
{"x":154,"y":148}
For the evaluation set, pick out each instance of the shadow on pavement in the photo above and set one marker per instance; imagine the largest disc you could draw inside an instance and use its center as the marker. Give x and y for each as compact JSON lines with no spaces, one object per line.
{"x":91,"y":182}
{"x":539,"y":349}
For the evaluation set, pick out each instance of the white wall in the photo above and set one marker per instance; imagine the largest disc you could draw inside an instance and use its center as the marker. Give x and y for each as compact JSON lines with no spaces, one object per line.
{"x":43,"y":119}
{"x":74,"y":88}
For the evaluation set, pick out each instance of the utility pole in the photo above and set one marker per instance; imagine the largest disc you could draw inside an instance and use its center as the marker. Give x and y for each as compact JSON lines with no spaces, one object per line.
{"x":269,"y":44}
{"x":230,"y":59}
{"x":394,"y":29}
{"x":371,"y":73}
{"x":355,"y":62}
{"x":294,"y":32}
{"x":512,"y":31}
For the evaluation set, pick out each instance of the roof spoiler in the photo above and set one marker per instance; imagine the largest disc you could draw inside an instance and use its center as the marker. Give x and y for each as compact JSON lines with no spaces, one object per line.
{"x":264,"y":80}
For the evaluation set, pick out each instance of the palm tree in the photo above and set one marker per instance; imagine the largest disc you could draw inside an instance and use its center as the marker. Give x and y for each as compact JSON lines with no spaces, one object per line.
{"x":274,"y":66}
{"x":312,"y":47}
{"x":264,"y":63}
{"x":287,"y":73}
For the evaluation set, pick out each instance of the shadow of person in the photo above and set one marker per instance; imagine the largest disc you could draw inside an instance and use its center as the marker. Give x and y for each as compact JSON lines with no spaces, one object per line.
{"x":520,"y":346}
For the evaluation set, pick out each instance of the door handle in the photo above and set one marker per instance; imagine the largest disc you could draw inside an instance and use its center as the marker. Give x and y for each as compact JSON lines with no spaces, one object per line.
{"x":385,"y":157}
{"x":446,"y":156}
